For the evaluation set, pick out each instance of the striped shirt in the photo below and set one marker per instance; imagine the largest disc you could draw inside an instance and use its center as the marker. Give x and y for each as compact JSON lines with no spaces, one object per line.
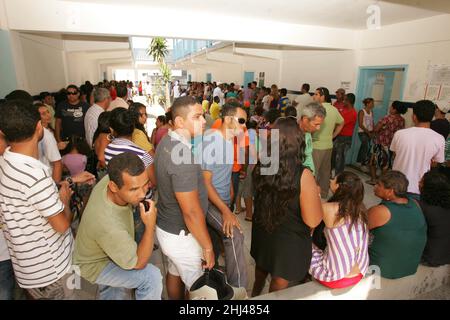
{"x":28,"y":197}
{"x":120,"y":145}
{"x":344,"y":250}
{"x":91,"y":122}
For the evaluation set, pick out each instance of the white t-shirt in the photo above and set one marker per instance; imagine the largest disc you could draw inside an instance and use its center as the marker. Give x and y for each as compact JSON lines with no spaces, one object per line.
{"x":218,"y":93}
{"x":48,"y":150}
{"x":176,"y":91}
{"x":414,"y":149}
{"x":302,"y":100}
{"x":4,"y":254}
{"x":266,"y":102}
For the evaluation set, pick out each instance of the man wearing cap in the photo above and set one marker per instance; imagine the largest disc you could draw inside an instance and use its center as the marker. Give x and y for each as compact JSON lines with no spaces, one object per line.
{"x":339,"y":103}
{"x":440,"y":123}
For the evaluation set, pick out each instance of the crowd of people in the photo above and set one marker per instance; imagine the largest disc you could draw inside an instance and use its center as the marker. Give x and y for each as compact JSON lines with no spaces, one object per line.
{"x":84,"y":184}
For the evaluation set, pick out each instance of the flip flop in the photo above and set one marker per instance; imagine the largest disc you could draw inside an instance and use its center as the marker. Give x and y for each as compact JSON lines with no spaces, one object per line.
{"x":248,"y":219}
{"x":372,"y":183}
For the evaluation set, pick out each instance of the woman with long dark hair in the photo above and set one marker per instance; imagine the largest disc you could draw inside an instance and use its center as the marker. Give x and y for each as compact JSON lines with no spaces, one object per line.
{"x":287,"y":205}
{"x":345,"y":258}
{"x":140,"y":137}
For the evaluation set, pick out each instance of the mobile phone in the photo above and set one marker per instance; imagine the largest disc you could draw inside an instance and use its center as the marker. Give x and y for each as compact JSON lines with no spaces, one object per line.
{"x":146,"y":205}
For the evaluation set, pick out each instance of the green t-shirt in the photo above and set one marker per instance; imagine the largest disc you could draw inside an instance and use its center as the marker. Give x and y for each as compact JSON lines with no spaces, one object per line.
{"x":308,"y":162}
{"x":105,"y":234}
{"x":398,"y":245}
{"x":323,"y":139}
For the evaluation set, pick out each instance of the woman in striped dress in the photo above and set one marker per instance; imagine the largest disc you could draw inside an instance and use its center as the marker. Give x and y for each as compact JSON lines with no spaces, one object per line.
{"x":343,"y":260}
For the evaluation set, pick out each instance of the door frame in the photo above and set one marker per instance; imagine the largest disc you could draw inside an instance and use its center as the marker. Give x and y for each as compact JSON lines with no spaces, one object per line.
{"x":360,"y":82}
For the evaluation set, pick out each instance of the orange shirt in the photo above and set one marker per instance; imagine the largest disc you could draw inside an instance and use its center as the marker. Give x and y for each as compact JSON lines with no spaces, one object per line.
{"x":244,"y":143}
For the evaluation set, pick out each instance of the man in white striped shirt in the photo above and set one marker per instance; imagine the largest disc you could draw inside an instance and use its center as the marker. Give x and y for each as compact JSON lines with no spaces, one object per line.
{"x":36,"y":218}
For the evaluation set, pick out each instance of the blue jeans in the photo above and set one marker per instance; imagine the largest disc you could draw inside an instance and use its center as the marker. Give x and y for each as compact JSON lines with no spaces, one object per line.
{"x":364,"y":150}
{"x":6,"y":280}
{"x":341,"y":145}
{"x":113,"y":282}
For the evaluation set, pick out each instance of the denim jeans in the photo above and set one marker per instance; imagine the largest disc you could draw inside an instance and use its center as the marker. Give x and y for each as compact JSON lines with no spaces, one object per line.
{"x":113,"y":282}
{"x":341,"y":146}
{"x":364,"y":150}
{"x":6,"y":280}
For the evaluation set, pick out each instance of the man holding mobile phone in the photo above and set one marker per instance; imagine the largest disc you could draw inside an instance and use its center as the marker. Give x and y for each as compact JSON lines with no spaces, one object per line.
{"x":105,"y":247}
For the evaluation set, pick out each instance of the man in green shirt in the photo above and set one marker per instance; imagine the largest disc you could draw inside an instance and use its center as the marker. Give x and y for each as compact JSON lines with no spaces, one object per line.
{"x":310,"y":119}
{"x":323,"y":140}
{"x":105,"y":249}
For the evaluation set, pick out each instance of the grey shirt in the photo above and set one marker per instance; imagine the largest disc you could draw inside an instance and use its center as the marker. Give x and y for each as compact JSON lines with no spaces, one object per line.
{"x":173,"y":176}
{"x":218,"y":156}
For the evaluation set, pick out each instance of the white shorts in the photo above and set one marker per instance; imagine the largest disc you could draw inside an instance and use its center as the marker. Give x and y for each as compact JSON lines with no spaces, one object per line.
{"x":184,"y":255}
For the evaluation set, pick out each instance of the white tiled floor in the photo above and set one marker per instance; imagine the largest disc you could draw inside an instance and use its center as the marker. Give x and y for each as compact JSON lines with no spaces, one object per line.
{"x":89,"y":291}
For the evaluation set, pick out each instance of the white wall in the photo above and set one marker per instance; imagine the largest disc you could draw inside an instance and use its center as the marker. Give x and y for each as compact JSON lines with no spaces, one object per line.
{"x":39,"y":62}
{"x":81,"y":68}
{"x":318,"y":68}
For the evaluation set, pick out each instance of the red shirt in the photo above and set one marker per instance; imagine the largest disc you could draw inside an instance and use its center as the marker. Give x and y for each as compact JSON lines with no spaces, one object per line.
{"x":350,"y":117}
{"x":339,"y":105}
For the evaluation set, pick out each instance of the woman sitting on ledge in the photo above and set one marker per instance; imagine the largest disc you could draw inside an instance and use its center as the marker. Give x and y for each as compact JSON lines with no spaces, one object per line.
{"x":435,"y":203}
{"x":398,"y":227}
{"x":344,"y":259}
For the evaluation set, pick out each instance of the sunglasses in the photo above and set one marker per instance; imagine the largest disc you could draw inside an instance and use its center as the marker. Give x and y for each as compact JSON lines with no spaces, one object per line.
{"x":240,"y":120}
{"x":72,"y":93}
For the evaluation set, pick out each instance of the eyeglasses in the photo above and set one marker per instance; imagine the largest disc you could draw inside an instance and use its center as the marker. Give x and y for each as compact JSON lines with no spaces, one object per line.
{"x":241,"y":120}
{"x":72,"y":93}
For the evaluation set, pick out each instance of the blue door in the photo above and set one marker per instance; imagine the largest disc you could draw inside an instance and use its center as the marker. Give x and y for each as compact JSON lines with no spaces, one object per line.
{"x":189,"y":78}
{"x":376,"y":84}
{"x":248,"y":77}
{"x":208,"y":77}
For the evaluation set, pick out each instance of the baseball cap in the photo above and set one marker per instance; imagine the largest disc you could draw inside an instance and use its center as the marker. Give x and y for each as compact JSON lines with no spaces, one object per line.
{"x":443,"y":105}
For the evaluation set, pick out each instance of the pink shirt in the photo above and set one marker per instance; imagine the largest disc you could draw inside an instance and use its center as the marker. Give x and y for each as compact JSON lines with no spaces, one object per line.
{"x":76,"y":163}
{"x":414,"y":149}
{"x":160,"y":133}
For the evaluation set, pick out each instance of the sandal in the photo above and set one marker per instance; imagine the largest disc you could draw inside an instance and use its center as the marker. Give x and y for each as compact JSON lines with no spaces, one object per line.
{"x":371,"y":182}
{"x":248,"y":219}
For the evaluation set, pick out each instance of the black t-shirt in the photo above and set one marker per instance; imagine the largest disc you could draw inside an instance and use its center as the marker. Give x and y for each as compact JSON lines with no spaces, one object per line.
{"x":441,"y":126}
{"x":437,"y":249}
{"x":72,"y":117}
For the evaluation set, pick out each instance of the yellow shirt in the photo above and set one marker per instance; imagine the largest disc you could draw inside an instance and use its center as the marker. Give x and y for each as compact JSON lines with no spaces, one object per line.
{"x":205,"y":105}
{"x":214,"y":111}
{"x":141,"y":140}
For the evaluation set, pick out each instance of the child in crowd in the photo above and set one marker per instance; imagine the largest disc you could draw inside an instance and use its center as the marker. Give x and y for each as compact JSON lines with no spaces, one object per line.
{"x":75,"y":155}
{"x":283,"y":103}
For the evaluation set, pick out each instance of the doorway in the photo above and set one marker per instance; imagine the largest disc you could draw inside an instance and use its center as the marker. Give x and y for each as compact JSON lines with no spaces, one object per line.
{"x":384,"y":84}
{"x":248,"y":77}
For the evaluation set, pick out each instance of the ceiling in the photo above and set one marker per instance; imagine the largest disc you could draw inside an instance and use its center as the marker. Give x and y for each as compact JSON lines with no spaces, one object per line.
{"x":349,"y":14}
